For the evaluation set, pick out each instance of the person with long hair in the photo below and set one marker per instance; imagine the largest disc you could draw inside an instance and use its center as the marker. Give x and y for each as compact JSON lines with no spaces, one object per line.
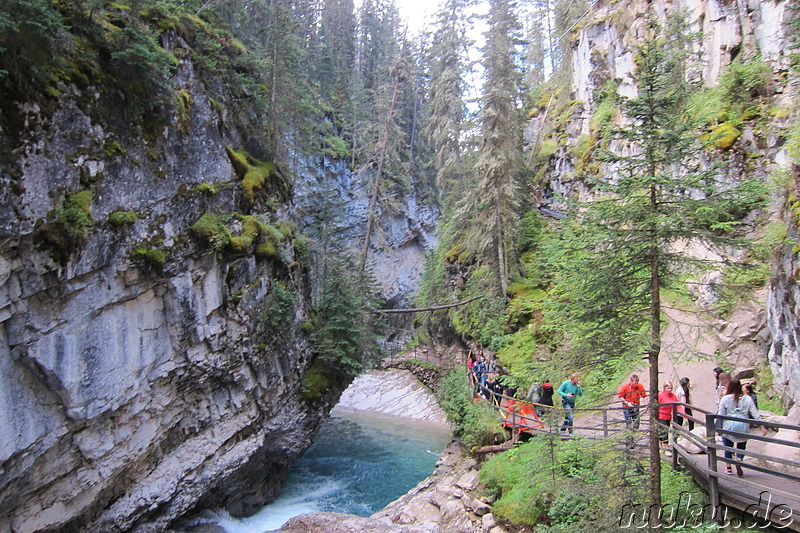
{"x":684,"y":396}
{"x":736,"y":403}
{"x":722,"y":379}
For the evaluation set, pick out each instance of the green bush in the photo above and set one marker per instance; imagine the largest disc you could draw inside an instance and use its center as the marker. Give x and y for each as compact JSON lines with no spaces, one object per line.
{"x":34,"y":43}
{"x":556,"y":485}
{"x":316,"y":382}
{"x":277,"y":314}
{"x":141,"y":68}
{"x":68,"y":227}
{"x":74,"y":218}
{"x":476,"y":423}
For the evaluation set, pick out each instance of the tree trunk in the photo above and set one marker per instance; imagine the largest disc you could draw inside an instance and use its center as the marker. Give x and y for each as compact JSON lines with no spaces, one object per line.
{"x":652,"y":356}
{"x":501,"y":249}
{"x":434,"y":308}
{"x":493,"y":448}
{"x":374,"y":201}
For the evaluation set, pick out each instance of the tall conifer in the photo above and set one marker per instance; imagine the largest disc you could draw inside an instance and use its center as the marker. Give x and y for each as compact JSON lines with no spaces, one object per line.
{"x":448,"y":111}
{"x":620,"y":252}
{"x":499,"y":167}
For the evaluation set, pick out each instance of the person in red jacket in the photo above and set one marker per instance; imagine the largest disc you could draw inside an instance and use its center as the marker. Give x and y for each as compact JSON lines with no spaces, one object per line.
{"x":631,"y":394}
{"x":666,"y":396}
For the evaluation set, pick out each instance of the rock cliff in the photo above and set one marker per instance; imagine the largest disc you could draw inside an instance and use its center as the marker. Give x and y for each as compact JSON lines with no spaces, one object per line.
{"x":602,"y":56}
{"x":138,"y":377}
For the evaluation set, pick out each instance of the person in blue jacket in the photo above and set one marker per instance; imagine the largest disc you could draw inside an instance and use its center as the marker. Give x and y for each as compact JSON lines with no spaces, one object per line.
{"x":569,"y":391}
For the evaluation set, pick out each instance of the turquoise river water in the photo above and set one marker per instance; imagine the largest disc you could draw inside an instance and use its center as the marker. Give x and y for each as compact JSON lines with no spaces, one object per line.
{"x":358,"y":464}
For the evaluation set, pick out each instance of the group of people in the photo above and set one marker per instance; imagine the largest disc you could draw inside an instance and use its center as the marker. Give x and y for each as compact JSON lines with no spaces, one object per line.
{"x":484,"y":376}
{"x":733,"y":399}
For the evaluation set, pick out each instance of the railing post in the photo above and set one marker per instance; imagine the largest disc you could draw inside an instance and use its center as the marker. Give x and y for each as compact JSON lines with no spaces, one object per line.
{"x":605,"y":423}
{"x":514,"y":429}
{"x":713,"y":480}
{"x":673,"y":438}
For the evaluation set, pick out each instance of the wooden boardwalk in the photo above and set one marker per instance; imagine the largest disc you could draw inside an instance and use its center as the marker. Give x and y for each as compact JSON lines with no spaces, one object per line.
{"x":765,"y":497}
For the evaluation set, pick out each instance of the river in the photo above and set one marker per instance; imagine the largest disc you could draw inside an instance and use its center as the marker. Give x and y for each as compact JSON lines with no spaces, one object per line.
{"x":346,"y":469}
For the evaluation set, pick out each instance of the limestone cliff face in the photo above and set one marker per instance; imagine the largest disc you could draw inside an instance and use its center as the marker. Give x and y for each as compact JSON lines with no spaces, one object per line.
{"x":134,"y":388}
{"x":405,"y":230}
{"x":603,"y":49}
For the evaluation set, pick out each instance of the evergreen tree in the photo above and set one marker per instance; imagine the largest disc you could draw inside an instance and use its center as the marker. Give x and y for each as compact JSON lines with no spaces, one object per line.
{"x":567,"y":13}
{"x":348,"y":326}
{"x":541,"y":42}
{"x":499,"y":167}
{"x":448,"y":111}
{"x":620,"y":249}
{"x":338,"y":29}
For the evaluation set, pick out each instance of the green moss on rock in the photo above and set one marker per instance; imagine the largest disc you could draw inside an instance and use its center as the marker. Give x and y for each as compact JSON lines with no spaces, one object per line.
{"x":120,"y":218}
{"x":266,"y":250}
{"x":724,"y":135}
{"x":253,"y":172}
{"x":212,"y":229}
{"x":251,"y":229}
{"x":155,"y":257}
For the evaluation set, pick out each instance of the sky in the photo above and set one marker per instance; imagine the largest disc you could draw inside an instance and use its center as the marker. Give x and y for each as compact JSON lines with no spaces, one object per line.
{"x":417,"y":12}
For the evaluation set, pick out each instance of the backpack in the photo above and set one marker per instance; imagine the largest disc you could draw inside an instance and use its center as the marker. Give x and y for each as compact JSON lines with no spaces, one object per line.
{"x":739,"y":426}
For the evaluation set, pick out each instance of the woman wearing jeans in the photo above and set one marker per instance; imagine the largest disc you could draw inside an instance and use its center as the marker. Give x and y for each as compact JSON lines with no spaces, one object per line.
{"x":736,"y":399}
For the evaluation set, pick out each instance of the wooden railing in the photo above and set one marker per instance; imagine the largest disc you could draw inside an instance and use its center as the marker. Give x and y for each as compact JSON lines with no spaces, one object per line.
{"x":781,"y":475}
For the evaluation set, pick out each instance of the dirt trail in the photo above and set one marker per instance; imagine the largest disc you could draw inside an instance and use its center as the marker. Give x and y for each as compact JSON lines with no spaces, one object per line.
{"x":688,"y":348}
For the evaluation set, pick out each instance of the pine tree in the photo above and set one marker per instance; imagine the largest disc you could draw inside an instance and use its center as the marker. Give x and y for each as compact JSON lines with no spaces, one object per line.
{"x":499,"y":167}
{"x":338,"y":37}
{"x":541,"y":42}
{"x":620,"y":249}
{"x":448,"y":111}
{"x":348,"y":326}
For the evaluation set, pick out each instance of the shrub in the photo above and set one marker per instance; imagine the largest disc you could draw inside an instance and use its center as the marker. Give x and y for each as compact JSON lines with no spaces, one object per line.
{"x":34,"y":43}
{"x":315,"y":382}
{"x":155,"y":257}
{"x":476,"y":423}
{"x":141,"y":67}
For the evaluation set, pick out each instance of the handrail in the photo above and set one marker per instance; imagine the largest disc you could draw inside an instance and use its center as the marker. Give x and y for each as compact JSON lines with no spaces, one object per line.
{"x":710,"y":473}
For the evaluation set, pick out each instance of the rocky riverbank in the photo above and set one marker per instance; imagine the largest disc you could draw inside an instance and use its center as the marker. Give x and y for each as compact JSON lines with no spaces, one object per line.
{"x":446,"y":501}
